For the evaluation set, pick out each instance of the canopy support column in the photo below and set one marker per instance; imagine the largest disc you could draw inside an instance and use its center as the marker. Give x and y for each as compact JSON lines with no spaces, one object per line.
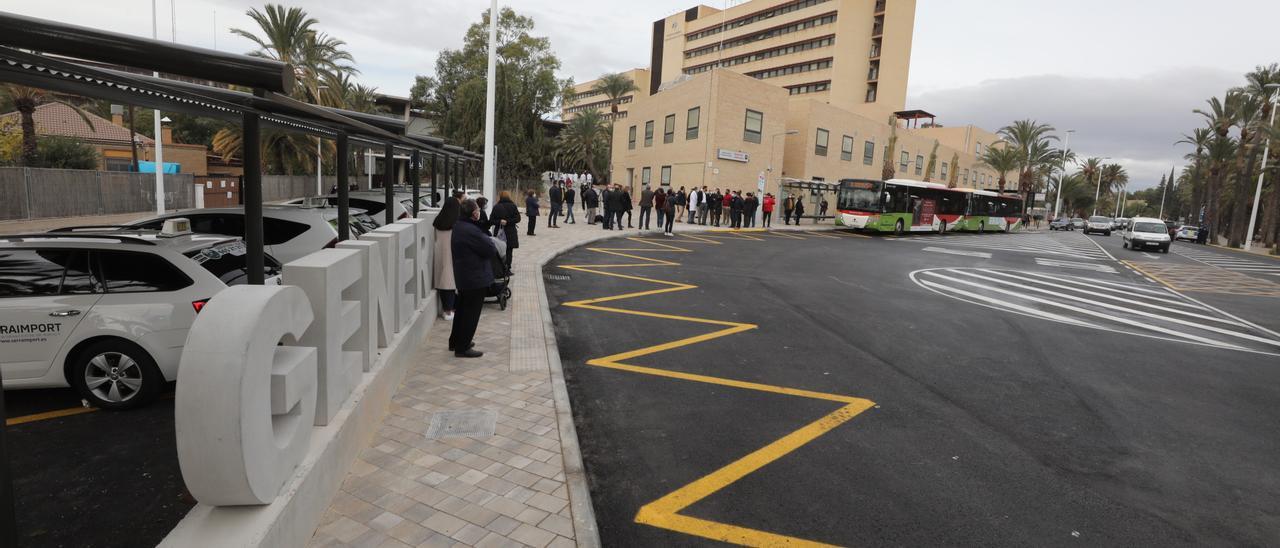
{"x":344,"y":188}
{"x":253,"y":238}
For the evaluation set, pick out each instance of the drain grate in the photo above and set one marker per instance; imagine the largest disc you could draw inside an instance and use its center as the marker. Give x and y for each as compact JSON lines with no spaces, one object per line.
{"x":558,"y":277}
{"x":478,"y":423}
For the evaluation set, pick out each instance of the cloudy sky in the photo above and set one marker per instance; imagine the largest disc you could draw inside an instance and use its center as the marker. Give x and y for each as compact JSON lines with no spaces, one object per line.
{"x":1125,"y":74}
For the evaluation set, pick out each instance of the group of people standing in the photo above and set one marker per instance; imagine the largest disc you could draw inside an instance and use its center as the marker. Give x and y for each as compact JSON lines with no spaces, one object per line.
{"x":462,"y":267}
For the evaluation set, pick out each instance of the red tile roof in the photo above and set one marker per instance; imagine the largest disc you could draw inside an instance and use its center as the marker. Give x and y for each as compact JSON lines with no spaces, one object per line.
{"x":60,"y":119}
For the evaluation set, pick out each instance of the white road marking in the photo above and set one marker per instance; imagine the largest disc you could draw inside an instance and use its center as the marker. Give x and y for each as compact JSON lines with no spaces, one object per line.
{"x":1102,"y":249}
{"x":958,"y":252}
{"x":1153,"y":291}
{"x":1237,"y":264}
{"x":1127,"y":290}
{"x":1197,"y":315}
{"x":1082,"y":266}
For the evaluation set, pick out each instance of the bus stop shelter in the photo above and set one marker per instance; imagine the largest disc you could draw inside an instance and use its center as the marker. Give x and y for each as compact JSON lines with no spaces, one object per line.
{"x":815,"y":189}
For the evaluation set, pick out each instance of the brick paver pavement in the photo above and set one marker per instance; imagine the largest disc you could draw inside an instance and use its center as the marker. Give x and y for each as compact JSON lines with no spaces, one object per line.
{"x":508,"y":489}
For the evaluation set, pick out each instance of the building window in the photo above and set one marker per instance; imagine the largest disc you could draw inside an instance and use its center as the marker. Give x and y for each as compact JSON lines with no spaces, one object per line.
{"x":809,"y":88}
{"x":791,"y":69}
{"x":631,"y":138}
{"x":754,"y":126}
{"x":789,"y":49}
{"x":119,"y":164}
{"x":868,"y":153}
{"x":645,"y":175}
{"x":691,"y":123}
{"x":820,"y":143}
{"x":763,"y":35}
{"x":966,"y":177}
{"x":871,"y":92}
{"x":846,"y":149}
{"x":666,"y":175}
{"x":648,"y":133}
{"x":944,"y":171}
{"x":904,"y":161}
{"x":919,"y":164}
{"x":754,"y":18}
{"x":669,"y":129}
{"x":977,"y":151}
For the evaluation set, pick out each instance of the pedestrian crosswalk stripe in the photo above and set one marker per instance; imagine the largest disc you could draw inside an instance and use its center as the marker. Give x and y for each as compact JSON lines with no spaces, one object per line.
{"x":1078,"y":301}
{"x":979,"y":254}
{"x":1068,"y":264}
{"x":1228,"y":262}
{"x":1077,"y":248}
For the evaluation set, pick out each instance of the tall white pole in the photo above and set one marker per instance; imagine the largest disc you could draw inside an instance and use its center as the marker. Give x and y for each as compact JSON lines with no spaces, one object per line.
{"x":491,"y":92}
{"x":1164,"y":191}
{"x":1066,"y":147}
{"x":1097,"y":191}
{"x":159,"y":137}
{"x":1257,"y":193}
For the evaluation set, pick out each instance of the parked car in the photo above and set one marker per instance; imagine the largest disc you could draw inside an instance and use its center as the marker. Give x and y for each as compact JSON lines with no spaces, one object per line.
{"x":1062,"y":223}
{"x":1098,"y":223}
{"x":1145,"y":233}
{"x":106,"y":312}
{"x":1187,"y":232}
{"x":373,"y":202}
{"x":289,"y":231}
{"x":1078,"y":223}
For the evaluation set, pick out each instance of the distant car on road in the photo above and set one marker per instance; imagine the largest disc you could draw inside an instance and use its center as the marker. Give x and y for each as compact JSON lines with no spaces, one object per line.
{"x":1099,"y":224}
{"x":1062,"y":223}
{"x":107,"y":311}
{"x":1187,"y":232}
{"x":1078,"y":223}
{"x":1145,"y":232}
{"x":1120,"y":223}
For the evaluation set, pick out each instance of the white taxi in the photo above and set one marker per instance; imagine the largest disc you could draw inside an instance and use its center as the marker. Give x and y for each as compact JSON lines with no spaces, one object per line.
{"x":107,"y":311}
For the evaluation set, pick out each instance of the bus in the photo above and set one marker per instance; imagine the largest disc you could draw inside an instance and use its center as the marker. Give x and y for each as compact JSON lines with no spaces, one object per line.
{"x":904,"y":205}
{"x":990,"y":212}
{"x":899,"y":205}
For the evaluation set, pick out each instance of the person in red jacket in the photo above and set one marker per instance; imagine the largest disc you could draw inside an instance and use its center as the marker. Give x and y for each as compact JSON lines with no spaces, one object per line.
{"x":727,"y":201}
{"x":767,"y":207}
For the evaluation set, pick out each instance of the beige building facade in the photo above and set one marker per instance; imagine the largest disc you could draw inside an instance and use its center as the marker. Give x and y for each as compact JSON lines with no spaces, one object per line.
{"x":854,"y":54}
{"x":742,"y":127}
{"x":584,"y":97}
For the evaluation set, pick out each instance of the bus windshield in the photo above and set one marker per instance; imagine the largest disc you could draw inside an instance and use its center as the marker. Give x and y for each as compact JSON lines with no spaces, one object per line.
{"x":859,"y":195}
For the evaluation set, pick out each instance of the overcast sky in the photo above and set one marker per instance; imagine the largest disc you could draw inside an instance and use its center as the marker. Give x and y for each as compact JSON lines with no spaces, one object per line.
{"x":1124,"y":74}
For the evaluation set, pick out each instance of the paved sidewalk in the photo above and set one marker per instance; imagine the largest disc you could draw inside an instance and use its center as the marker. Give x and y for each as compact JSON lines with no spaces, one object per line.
{"x":522,"y":485}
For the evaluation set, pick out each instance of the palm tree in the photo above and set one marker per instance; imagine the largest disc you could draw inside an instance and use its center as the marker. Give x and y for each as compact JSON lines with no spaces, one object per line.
{"x":1199,"y":138}
{"x":1023,"y":135}
{"x":25,"y":99}
{"x":584,"y":143}
{"x":933,"y":160}
{"x":615,"y":86}
{"x":1248,"y":111}
{"x":1002,"y":159}
{"x":888,"y":169}
{"x":1218,"y":154}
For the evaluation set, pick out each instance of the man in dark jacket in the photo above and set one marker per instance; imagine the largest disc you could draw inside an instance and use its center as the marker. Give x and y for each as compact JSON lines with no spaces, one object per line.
{"x":531,"y":210}
{"x":713,"y":202}
{"x":568,"y":205}
{"x":556,"y":197}
{"x":749,"y":206}
{"x":473,"y":254}
{"x":605,"y":202}
{"x":590,"y":202}
{"x":627,"y":206}
{"x":616,"y":204}
{"x":646,"y":207}
{"x":735,"y":210}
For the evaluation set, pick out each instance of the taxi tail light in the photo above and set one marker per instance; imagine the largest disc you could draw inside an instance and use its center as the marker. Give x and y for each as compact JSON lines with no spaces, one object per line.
{"x":404,"y":215}
{"x":199,"y":305}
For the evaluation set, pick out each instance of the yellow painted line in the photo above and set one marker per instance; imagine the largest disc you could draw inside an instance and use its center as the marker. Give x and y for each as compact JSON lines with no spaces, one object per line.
{"x":780,"y":234}
{"x":816,"y":234}
{"x":664,"y":512}
{"x":71,"y":411}
{"x":849,"y":234}
{"x":1162,"y":281}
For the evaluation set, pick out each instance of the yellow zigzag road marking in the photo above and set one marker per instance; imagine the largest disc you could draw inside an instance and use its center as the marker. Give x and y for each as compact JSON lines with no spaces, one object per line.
{"x":665,"y":512}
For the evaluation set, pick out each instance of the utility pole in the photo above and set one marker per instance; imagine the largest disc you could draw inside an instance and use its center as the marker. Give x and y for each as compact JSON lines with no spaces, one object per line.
{"x":491,"y":87}
{"x":1066,"y":147}
{"x":1262,"y":175}
{"x":158,"y":142}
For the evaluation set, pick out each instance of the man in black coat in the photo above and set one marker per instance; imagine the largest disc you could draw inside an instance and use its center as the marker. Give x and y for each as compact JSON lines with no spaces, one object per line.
{"x":735,"y":210}
{"x":590,"y":202}
{"x":606,"y":200}
{"x":556,"y":197}
{"x":505,"y":220}
{"x":473,"y":254}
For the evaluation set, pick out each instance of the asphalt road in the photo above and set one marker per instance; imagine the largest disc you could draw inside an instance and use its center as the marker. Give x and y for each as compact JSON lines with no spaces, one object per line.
{"x":1028,"y":389}
{"x":95,"y":479}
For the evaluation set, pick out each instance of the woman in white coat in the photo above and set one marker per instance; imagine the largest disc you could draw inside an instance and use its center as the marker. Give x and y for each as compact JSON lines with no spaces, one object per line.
{"x":442,"y":258}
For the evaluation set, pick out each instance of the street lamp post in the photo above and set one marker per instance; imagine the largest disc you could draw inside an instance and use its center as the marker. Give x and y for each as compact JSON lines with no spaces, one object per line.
{"x":773,"y":144}
{"x":1097,"y":191}
{"x":1266,"y":149}
{"x":1066,"y":147}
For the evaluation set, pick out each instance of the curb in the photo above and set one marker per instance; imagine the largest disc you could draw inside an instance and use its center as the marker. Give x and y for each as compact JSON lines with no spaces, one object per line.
{"x":585,"y":531}
{"x":1243,"y":252}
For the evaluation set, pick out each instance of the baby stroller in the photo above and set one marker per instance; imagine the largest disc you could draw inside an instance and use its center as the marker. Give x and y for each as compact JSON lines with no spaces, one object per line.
{"x":500,"y":289}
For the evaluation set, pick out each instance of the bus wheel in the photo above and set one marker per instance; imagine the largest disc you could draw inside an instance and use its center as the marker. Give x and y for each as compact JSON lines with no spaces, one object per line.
{"x":897,"y":228}
{"x":982,"y":227}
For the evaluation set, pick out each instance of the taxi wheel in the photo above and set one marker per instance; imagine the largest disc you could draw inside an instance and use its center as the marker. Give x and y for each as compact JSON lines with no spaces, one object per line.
{"x":116,"y":375}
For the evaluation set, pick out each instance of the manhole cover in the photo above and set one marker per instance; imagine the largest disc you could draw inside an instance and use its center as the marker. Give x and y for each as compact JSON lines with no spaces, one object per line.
{"x":462,"y":424}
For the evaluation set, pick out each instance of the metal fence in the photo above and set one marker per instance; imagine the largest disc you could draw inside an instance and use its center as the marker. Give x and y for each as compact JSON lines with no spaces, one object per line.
{"x":32,"y":193}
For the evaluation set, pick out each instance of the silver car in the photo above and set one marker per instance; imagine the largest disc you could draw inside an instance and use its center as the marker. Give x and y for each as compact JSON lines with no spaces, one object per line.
{"x":289,"y":232}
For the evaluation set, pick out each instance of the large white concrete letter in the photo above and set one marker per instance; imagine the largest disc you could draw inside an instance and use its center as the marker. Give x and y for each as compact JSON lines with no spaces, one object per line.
{"x":399,"y":269}
{"x":245,"y":404}
{"x":327,"y":276}
{"x":381,"y":258}
{"x":423,"y":233}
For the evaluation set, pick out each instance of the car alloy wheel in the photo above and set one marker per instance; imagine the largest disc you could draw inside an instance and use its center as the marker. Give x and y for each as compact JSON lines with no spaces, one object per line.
{"x":113,"y":377}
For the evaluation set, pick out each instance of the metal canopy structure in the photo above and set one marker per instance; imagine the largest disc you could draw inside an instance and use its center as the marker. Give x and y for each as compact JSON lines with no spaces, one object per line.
{"x":43,"y":54}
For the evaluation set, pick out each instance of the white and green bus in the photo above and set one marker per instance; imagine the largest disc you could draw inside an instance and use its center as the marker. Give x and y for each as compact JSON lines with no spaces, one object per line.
{"x":904,"y":205}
